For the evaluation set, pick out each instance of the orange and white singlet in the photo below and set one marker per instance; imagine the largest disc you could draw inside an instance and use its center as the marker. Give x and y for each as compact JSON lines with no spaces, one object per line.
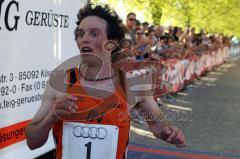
{"x":98,"y":133}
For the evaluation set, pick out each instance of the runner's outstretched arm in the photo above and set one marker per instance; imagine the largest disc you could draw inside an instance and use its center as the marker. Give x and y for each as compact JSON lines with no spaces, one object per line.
{"x":158,"y":123}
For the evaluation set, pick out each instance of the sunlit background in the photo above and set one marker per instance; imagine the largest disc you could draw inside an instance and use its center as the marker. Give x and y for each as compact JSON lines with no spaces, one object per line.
{"x":217,"y":16}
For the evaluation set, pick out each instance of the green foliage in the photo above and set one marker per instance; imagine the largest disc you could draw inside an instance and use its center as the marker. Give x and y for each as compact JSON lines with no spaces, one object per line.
{"x":219,"y":16}
{"x":156,"y":11}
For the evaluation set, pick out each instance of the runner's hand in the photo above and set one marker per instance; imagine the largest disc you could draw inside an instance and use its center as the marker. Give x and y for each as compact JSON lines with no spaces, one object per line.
{"x":65,"y":105}
{"x":173,"y":135}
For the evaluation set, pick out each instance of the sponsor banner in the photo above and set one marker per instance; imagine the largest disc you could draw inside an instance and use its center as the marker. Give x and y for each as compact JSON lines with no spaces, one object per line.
{"x":35,"y":37}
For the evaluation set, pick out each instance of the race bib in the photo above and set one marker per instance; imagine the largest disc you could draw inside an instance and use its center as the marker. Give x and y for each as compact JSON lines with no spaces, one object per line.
{"x":89,"y":141}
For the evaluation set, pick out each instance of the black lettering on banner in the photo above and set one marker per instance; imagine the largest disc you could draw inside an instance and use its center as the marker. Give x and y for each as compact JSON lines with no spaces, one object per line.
{"x":45,"y":73}
{"x":1,"y":2}
{"x":55,"y":21}
{"x":36,"y":19}
{"x":14,"y":89}
{"x":15,"y":17}
{"x":66,"y":21}
{"x":26,"y":87}
{"x":4,"y":91}
{"x":37,"y":74}
{"x":48,"y":19}
{"x":61,"y":17}
{"x":44,"y":18}
{"x":11,"y":77}
{"x":49,"y":24}
{"x":37,"y":85}
{"x":3,"y":78}
{"x":43,"y":84}
{"x":13,"y":103}
{"x":24,"y":75}
{"x":31,"y":19}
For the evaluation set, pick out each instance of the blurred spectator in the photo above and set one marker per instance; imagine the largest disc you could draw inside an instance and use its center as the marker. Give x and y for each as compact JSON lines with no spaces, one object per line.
{"x":145,"y":27}
{"x":131,"y":24}
{"x":151,"y":36}
{"x":159,"y":32}
{"x":170,"y":30}
{"x":177,"y":32}
{"x":138,"y":24}
{"x":142,"y":43}
{"x":184,"y":38}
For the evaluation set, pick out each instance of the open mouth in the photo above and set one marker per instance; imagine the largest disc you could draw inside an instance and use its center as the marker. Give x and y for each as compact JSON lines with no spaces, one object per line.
{"x":86,"y":50}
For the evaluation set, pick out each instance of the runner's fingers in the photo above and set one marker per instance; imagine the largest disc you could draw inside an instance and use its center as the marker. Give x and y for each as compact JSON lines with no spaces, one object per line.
{"x":182,"y":138}
{"x":165,"y":133}
{"x":71,"y":109}
{"x":65,"y":97}
{"x":171,"y":136}
{"x":70,"y":97}
{"x":182,"y":143}
{"x":63,"y":113}
{"x":177,"y":138}
{"x":75,"y":105}
{"x":61,"y":106}
{"x":71,"y":106}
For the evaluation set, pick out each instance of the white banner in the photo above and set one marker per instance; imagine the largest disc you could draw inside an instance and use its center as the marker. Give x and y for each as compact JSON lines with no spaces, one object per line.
{"x":35,"y":36}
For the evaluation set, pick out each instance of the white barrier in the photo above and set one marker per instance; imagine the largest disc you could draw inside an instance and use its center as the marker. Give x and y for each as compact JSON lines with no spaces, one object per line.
{"x":35,"y":36}
{"x":234,"y":51}
{"x":182,"y":71}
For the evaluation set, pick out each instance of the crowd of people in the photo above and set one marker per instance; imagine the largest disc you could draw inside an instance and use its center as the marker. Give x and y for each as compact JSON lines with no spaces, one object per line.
{"x":156,"y":41}
{"x":186,"y":53}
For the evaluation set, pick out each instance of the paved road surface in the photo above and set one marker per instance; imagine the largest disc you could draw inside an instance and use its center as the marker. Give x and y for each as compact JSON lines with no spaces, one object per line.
{"x":209,"y":114}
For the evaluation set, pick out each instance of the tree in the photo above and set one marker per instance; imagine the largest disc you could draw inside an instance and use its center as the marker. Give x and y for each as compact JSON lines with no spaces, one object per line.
{"x":220,"y":16}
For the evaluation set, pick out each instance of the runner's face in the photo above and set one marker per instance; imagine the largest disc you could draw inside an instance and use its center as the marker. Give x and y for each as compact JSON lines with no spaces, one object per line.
{"x":92,"y":36}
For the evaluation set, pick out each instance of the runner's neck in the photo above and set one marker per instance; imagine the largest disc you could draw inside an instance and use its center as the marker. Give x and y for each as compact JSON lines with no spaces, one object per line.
{"x":95,"y":74}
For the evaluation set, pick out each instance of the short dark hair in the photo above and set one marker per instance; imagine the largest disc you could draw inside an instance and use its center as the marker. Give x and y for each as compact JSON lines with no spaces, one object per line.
{"x":114,"y":22}
{"x":151,"y":29}
{"x":131,"y":13}
{"x":145,"y":23}
{"x":138,"y":22}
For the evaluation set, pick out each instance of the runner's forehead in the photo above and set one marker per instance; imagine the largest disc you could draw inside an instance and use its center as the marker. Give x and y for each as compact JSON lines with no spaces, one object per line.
{"x":93,"y":22}
{"x":89,"y":29}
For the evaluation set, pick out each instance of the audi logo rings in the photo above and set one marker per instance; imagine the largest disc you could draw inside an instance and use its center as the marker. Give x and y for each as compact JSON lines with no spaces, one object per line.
{"x":90,"y":132}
